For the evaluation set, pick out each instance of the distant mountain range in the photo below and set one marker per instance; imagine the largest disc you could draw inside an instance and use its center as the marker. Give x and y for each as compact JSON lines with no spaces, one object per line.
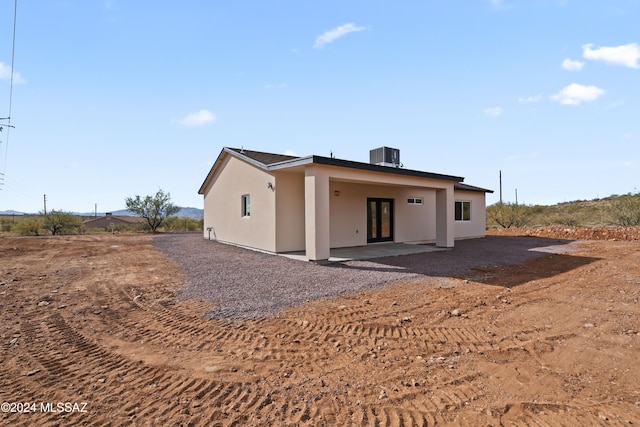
{"x":184,"y":213}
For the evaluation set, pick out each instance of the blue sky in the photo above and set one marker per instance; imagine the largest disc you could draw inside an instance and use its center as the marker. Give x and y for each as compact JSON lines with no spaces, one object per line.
{"x":118,"y":98}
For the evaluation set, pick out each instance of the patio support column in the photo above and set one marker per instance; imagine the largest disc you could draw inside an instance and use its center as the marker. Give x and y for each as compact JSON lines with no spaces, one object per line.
{"x":444,"y":218}
{"x":316,"y":210}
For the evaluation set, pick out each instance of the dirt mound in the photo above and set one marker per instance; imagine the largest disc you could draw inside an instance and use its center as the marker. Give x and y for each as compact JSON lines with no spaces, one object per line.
{"x":559,"y":231}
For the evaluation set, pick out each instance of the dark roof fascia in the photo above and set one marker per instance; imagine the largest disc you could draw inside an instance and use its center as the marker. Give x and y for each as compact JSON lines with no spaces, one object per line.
{"x":300,"y":161}
{"x":361,"y":166}
{"x":466,"y":187}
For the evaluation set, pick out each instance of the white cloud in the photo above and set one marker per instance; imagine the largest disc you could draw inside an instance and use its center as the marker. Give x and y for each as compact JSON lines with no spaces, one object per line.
{"x":530,"y":99}
{"x":627,"y":55}
{"x":493,"y":111}
{"x":576,"y":94}
{"x":5,"y":73}
{"x":290,"y":153}
{"x":332,"y":35}
{"x":200,"y":118}
{"x":571,"y":65}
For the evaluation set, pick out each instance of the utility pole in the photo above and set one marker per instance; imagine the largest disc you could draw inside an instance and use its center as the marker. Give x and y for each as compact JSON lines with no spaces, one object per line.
{"x":500,"y":187}
{"x":516,"y":196}
{"x":95,"y":214}
{"x":45,"y":205}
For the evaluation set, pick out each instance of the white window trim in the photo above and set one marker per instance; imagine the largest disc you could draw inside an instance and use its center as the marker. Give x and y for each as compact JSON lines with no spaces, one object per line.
{"x":415,"y":201}
{"x":462,"y":211}
{"x":245,"y":208}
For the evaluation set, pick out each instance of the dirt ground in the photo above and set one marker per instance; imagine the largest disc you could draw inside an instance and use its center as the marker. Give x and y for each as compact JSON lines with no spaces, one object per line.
{"x":92,"y":334}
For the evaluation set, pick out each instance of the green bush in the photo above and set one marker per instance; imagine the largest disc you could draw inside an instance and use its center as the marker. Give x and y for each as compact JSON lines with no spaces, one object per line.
{"x":612,"y":210}
{"x":625,"y":210}
{"x":6,"y":225}
{"x":183,"y":224}
{"x":508,"y":215}
{"x":59,"y":222}
{"x":31,"y":226}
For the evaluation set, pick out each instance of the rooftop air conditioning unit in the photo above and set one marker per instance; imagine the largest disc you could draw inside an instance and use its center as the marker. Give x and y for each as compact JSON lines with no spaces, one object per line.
{"x":385,"y":156}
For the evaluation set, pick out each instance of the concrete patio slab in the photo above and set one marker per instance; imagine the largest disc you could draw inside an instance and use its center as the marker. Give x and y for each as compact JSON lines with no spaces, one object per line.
{"x":377,"y":250}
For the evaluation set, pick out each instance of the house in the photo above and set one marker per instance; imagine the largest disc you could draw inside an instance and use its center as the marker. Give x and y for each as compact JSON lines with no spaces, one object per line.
{"x":117,"y":221}
{"x":279,"y":203}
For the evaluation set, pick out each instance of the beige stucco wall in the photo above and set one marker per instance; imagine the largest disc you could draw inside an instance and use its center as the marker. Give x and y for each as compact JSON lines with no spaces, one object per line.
{"x":316,"y":213}
{"x":416,"y":223}
{"x":348,"y":207}
{"x":223,"y":205}
{"x":289,"y":211}
{"x":478,"y":224}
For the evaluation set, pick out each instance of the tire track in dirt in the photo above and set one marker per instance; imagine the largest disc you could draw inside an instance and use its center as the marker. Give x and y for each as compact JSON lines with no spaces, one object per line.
{"x":562,"y":415}
{"x":61,"y":351}
{"x":413,"y":403}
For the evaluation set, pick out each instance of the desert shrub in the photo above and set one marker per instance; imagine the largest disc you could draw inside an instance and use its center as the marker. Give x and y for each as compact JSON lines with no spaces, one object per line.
{"x":31,"y":226}
{"x":154,"y":209}
{"x":5,"y":225}
{"x":183,"y":224}
{"x":508,"y":215}
{"x":625,"y":210}
{"x":59,"y":222}
{"x":565,"y":219}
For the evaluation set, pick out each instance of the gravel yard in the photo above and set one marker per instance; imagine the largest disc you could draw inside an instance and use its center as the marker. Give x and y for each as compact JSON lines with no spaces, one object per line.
{"x":244,"y":284}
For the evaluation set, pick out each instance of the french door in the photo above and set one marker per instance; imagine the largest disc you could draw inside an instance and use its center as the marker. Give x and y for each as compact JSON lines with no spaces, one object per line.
{"x":379,"y":220}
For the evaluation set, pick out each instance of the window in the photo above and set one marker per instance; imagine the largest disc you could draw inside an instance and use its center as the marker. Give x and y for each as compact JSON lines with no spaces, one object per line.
{"x":246,"y":205}
{"x":463,"y":211}
{"x":414,"y":200}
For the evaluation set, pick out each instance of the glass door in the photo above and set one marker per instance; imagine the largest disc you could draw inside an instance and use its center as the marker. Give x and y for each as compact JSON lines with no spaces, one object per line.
{"x":379,"y":220}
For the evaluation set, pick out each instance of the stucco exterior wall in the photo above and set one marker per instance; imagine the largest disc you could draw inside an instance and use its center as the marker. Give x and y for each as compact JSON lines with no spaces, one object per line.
{"x":223,"y":206}
{"x":348,"y":207}
{"x":478,"y":225}
{"x":290,"y":214}
{"x":348,"y":214}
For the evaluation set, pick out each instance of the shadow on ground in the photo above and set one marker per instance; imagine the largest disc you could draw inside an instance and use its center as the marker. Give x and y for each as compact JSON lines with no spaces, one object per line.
{"x":495,"y":260}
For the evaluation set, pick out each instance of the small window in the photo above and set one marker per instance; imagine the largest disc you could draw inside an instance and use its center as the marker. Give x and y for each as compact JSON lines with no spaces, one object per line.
{"x":463,"y":211}
{"x":246,"y":205}
{"x":414,"y":200}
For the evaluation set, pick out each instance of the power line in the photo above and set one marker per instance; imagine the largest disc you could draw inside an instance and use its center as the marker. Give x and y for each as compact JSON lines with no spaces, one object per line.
{"x":13,"y":56}
{"x":14,"y":186}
